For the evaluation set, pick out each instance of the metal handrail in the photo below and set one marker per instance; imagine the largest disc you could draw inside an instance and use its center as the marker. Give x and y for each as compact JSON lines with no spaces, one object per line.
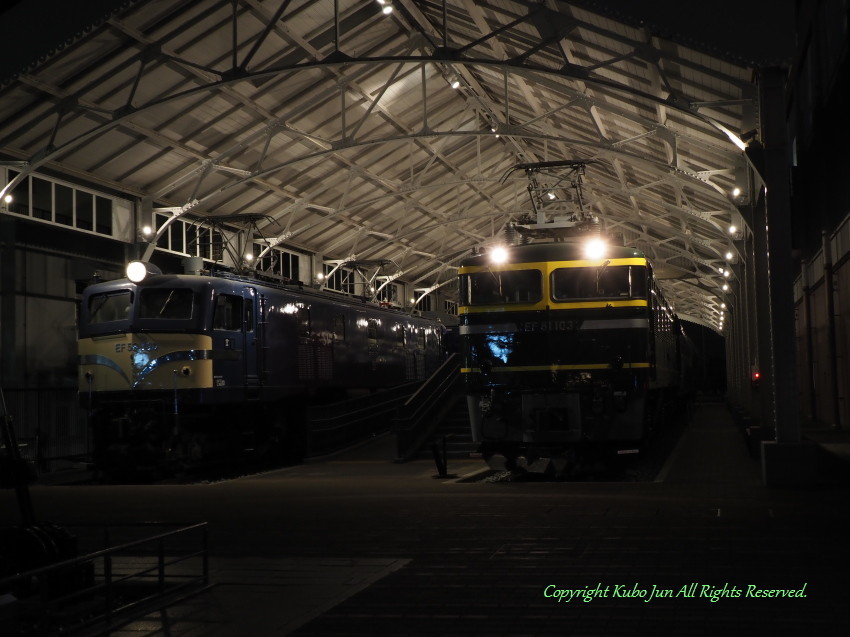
{"x":410,"y":424}
{"x":424,"y":393}
{"x":339,"y":425}
{"x":96,"y":554}
{"x":108,"y":611}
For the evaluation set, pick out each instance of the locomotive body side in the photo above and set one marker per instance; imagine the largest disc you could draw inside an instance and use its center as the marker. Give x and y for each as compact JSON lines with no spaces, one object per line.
{"x":184,"y":367}
{"x":562,"y":352}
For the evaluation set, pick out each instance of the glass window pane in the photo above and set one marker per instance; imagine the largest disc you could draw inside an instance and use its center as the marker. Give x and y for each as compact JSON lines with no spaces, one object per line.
{"x":103,"y":209}
{"x":163,"y":303}
{"x":104,"y":308}
{"x":20,"y":195}
{"x":228,"y":313}
{"x":42,"y":199}
{"x":175,"y":231}
{"x":64,"y":205}
{"x":599,"y":282}
{"x":192,"y":240}
{"x":217,"y":247}
{"x":510,"y":286}
{"x":85,"y":210}
{"x":204,"y":243}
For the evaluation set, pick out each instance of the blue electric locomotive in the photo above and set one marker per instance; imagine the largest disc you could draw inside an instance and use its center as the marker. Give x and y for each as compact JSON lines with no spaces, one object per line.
{"x":183,"y":368}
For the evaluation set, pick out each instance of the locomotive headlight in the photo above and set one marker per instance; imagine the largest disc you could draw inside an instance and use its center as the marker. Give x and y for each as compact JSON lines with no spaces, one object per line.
{"x":595,"y":249}
{"x":498,"y":255}
{"x":138,"y":271}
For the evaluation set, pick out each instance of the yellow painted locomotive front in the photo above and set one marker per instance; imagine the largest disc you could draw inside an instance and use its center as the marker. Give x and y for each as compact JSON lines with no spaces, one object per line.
{"x":125,"y":362}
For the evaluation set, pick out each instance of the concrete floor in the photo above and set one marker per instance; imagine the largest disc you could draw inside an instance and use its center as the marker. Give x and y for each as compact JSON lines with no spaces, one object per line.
{"x":359,"y":545}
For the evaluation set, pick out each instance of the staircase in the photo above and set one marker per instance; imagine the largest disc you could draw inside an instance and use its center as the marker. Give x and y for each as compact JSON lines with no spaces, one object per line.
{"x":454,"y":428}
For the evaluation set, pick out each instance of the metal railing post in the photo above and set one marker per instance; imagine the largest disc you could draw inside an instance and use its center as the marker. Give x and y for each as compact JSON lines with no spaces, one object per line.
{"x":161,"y":565}
{"x":205,"y":558}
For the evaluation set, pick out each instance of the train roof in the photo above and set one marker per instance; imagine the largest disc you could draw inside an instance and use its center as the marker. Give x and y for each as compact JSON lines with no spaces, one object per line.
{"x":230,"y":283}
{"x":554,"y":251}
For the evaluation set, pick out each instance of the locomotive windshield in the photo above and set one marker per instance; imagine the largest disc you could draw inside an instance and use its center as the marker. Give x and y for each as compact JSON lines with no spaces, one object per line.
{"x":165,"y":303}
{"x":604,"y":281}
{"x":109,"y":307}
{"x":509,"y":286}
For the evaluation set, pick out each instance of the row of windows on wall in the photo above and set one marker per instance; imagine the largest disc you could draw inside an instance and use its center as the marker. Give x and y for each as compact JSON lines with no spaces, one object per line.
{"x":55,"y":202}
{"x":279,"y":263}
{"x":423,"y":302}
{"x":342,"y":280}
{"x":390,"y":293}
{"x":347,"y":282}
{"x":190,"y":238}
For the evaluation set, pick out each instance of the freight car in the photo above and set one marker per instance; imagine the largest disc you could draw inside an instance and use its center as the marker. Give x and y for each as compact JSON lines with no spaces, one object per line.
{"x":569,"y":349}
{"x":180,"y":369}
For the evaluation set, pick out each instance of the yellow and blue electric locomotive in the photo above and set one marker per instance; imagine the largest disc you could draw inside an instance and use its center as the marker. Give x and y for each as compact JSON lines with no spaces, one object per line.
{"x":180,"y":368}
{"x":567,"y":346}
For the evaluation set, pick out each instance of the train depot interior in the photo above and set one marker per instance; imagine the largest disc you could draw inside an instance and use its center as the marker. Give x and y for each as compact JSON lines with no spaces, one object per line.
{"x":423,"y":317}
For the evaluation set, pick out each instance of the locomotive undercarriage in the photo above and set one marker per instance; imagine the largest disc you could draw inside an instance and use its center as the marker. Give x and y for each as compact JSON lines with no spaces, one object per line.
{"x":560,"y":431}
{"x":150,"y":440}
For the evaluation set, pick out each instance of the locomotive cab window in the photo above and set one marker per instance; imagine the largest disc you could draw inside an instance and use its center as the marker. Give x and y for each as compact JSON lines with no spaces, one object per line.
{"x":510,"y":286}
{"x":604,"y":281}
{"x":164,"y":303}
{"x":106,"y":308}
{"x":228,"y":313}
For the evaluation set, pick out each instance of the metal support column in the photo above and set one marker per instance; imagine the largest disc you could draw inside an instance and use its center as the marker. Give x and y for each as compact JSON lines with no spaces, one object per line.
{"x":832,"y":348}
{"x":748,"y":293}
{"x":810,"y":349}
{"x":786,"y":460}
{"x":8,"y":338}
{"x":777,"y":169}
{"x":763,"y":311}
